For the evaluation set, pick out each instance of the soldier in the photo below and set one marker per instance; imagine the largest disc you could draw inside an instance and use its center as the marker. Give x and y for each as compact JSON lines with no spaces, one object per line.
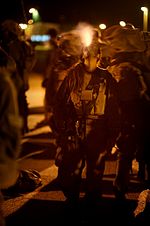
{"x":10,"y":127}
{"x":86,"y":117}
{"x":14,"y":43}
{"x":68,"y":53}
{"x":124,"y":49}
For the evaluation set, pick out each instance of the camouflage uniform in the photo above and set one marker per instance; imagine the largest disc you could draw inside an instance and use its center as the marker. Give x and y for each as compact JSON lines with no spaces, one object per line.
{"x":125,"y":48}
{"x":87,"y":121}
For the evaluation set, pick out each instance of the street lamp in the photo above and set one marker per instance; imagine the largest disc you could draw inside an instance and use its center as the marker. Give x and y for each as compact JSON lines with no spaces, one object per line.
{"x":122,"y":23}
{"x":145,"y":18}
{"x":35,"y":14}
{"x":102,"y":26}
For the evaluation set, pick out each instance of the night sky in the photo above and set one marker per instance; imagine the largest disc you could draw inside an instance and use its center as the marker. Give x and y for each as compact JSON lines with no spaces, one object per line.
{"x":74,"y":11}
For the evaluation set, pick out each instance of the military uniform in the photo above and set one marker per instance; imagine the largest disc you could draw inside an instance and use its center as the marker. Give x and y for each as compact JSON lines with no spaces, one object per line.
{"x":86,"y":116}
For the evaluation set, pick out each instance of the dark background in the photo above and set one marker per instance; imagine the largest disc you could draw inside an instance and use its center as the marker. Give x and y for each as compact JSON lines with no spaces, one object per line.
{"x":74,"y":11}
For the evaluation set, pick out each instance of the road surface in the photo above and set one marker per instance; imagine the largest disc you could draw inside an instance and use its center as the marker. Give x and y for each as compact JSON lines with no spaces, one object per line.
{"x":46,"y":205}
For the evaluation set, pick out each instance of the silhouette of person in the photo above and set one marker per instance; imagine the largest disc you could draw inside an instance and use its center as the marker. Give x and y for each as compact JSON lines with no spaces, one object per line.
{"x":10,"y":127}
{"x":14,"y":43}
{"x":86,"y":116}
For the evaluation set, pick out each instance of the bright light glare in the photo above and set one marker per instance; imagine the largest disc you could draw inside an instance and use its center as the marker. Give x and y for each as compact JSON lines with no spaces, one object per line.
{"x":122,"y":23}
{"x":32,"y":10}
{"x":86,"y":34}
{"x":30,"y":21}
{"x":144,"y":9}
{"x":102,"y":26}
{"x":23,"y":26}
{"x":40,"y":38}
{"x":145,"y":18}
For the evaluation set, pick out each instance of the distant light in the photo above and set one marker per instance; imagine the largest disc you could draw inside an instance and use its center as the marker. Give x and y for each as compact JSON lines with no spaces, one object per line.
{"x":40,"y":38}
{"x":122,"y":23}
{"x":32,"y":10}
{"x":144,"y":9}
{"x":102,"y":26}
{"x":35,"y":14}
{"x":23,"y":26}
{"x":30,"y":21}
{"x":145,"y":18}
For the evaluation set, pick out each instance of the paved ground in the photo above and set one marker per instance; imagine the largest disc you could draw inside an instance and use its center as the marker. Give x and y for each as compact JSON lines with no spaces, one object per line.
{"x":46,"y":205}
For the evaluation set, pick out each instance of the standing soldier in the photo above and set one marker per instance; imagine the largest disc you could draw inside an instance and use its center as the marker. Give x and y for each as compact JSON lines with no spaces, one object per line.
{"x":21,"y":51}
{"x":68,"y":53}
{"x":86,"y":116}
{"x":10,"y":127}
{"x":124,"y":50}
